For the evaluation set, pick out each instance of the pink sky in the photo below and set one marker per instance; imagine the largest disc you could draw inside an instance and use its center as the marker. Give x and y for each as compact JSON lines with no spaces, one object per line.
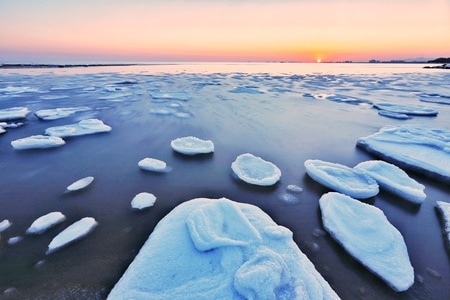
{"x":246,"y":30}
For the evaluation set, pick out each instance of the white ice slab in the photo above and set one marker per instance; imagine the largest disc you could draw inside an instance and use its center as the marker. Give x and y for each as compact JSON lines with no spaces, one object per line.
{"x":80,"y":184}
{"x":365,"y":233}
{"x":59,"y":113}
{"x":5,"y":224}
{"x":45,"y":222}
{"x":392,"y":178}
{"x":444,"y":209}
{"x":88,"y":126}
{"x":191,"y":145}
{"x":340,"y":178}
{"x":72,"y":233}
{"x":153,"y":164}
{"x":421,"y":148}
{"x":255,"y":170}
{"x":394,"y":115}
{"x":13,"y":113}
{"x":220,"y":249}
{"x":37,"y":142}
{"x":406,"y":109}
{"x":143,"y":200}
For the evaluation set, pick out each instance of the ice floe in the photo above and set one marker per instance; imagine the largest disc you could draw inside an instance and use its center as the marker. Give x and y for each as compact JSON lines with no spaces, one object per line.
{"x":37,"y":142}
{"x":406,"y":109}
{"x":88,"y":126}
{"x":255,"y":170}
{"x":14,"y":240}
{"x":444,"y":209}
{"x":392,"y":178}
{"x":343,"y":179}
{"x":80,"y":184}
{"x":191,"y":145}
{"x":394,"y":115}
{"x":153,"y":164}
{"x":143,"y":200}
{"x":13,"y":113}
{"x":5,"y":224}
{"x":45,"y":222}
{"x":421,"y":148}
{"x":59,"y":113}
{"x":365,"y":233}
{"x":220,"y":249}
{"x":183,"y":96}
{"x":74,"y":232}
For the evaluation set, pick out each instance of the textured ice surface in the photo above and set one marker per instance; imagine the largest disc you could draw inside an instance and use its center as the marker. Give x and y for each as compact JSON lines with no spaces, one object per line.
{"x":88,"y":126}
{"x":392,"y":178}
{"x":406,"y":109}
{"x":444,"y":209}
{"x":72,"y":233}
{"x":191,"y":145}
{"x":220,"y":249}
{"x":13,"y":113}
{"x":183,"y":96}
{"x":255,"y":170}
{"x":394,"y":115}
{"x":365,"y":233}
{"x":37,"y":142}
{"x":45,"y":222}
{"x":152,"y":164}
{"x":80,"y":184}
{"x":355,"y":183}
{"x":418,"y":147}
{"x":5,"y":224}
{"x":143,"y":200}
{"x":58,"y":113}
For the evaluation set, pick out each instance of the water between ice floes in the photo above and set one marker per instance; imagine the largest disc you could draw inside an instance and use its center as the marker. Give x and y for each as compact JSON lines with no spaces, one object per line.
{"x":280,"y":123}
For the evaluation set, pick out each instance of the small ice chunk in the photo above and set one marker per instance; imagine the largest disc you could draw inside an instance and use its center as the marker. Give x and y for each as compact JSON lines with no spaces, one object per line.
{"x":88,"y":126}
{"x":143,"y":200}
{"x":14,"y":240}
{"x":74,"y":232}
{"x":58,"y":113}
{"x":13,"y":113}
{"x":406,"y":109}
{"x":45,"y":222}
{"x":394,"y":179}
{"x":255,"y":170}
{"x":5,"y":224}
{"x":37,"y":142}
{"x":80,"y":184}
{"x":292,"y":188}
{"x":355,"y":183}
{"x":191,"y":145}
{"x":444,"y":209}
{"x":152,"y":164}
{"x":365,"y":232}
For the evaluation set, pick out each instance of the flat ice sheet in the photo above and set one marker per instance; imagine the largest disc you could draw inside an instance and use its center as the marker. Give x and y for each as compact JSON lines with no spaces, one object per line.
{"x":59,"y":113}
{"x":37,"y":142}
{"x":406,"y":109}
{"x":191,"y":145}
{"x":255,"y":170}
{"x":88,"y":126}
{"x":45,"y":222}
{"x":365,"y":232}
{"x":13,"y":113}
{"x":220,"y":249}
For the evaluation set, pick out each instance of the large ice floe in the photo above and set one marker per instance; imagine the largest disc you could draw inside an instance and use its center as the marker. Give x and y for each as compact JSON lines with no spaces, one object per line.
{"x":355,"y":183}
{"x":13,"y":113}
{"x":392,"y":178}
{"x":88,"y":126}
{"x":444,"y":209}
{"x":406,"y":109}
{"x":220,"y":249}
{"x":421,"y":148}
{"x":37,"y":142}
{"x":45,"y":222}
{"x":191,"y":145}
{"x":255,"y":170}
{"x":59,"y":113}
{"x":365,"y":233}
{"x":74,"y":232}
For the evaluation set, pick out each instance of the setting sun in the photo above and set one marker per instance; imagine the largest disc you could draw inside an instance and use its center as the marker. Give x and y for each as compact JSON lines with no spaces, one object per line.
{"x":319,"y":60}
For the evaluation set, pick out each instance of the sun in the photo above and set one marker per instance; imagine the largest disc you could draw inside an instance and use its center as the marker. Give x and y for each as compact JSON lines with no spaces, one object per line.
{"x":319,"y":60}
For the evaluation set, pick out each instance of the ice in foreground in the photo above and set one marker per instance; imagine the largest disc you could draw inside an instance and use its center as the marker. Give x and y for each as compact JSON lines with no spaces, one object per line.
{"x":365,"y":233}
{"x":392,"y":178}
{"x":191,"y":145}
{"x":80,"y":184}
{"x":88,"y":126}
{"x":444,"y":209}
{"x":45,"y":222}
{"x":72,"y":233}
{"x":406,"y":109}
{"x":37,"y":142}
{"x":152,"y":164}
{"x":421,"y":148}
{"x":13,"y":113}
{"x":58,"y":113}
{"x":255,"y":170}
{"x":143,"y":200}
{"x":220,"y":249}
{"x":355,"y":183}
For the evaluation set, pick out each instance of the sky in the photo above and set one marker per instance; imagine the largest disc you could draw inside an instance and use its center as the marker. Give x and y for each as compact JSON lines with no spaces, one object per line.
{"x":89,"y":31}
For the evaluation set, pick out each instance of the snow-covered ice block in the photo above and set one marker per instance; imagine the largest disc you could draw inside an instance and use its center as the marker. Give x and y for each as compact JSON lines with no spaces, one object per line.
{"x":153,"y":164}
{"x":58,"y":113}
{"x":45,"y":222}
{"x":80,"y":184}
{"x":13,"y":113}
{"x":365,"y":233}
{"x":143,"y":200}
{"x":340,"y":178}
{"x":255,"y":170}
{"x":191,"y":145}
{"x":246,"y":255}
{"x":444,"y":209}
{"x":406,"y":109}
{"x":5,"y":224}
{"x":88,"y":126}
{"x":73,"y":233}
{"x":37,"y":142}
{"x":421,"y":148}
{"x":392,"y":178}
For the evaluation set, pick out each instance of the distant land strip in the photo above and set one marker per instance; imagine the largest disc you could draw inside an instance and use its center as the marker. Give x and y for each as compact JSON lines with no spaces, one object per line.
{"x":36,"y":66}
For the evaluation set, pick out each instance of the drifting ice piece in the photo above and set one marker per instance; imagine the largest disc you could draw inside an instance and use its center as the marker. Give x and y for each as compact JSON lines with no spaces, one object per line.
{"x":444,"y":209}
{"x":59,"y":113}
{"x":191,"y":145}
{"x":80,"y":184}
{"x":152,"y":164}
{"x":365,"y":232}
{"x":88,"y":126}
{"x":255,"y":170}
{"x":406,"y":109}
{"x":143,"y":200}
{"x":37,"y":142}
{"x":13,"y":113}
{"x":45,"y":222}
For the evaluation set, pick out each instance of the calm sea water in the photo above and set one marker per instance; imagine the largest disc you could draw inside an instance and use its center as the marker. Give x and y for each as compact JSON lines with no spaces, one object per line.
{"x":279,"y":112}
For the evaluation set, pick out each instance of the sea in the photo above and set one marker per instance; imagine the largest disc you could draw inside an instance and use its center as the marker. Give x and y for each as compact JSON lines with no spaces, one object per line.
{"x":284,"y":113}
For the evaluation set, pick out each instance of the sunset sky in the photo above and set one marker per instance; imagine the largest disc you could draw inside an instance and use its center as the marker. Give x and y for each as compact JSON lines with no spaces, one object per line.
{"x":222,"y":30}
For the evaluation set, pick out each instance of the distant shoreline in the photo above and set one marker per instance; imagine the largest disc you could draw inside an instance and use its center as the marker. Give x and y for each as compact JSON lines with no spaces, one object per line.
{"x":39,"y":66}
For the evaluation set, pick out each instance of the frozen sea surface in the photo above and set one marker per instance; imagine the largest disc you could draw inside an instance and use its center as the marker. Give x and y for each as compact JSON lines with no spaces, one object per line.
{"x":264,"y":109}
